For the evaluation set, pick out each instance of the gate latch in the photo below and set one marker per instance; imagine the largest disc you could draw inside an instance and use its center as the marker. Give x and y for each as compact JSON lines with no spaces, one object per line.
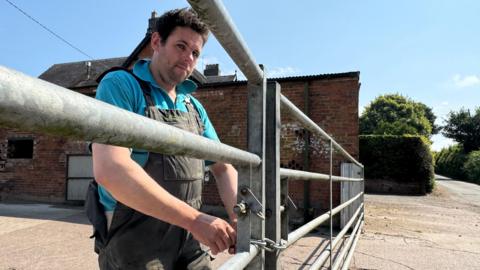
{"x":248,"y":202}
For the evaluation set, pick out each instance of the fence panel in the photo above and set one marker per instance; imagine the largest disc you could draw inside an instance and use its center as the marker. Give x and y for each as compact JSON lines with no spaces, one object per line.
{"x":348,"y":190}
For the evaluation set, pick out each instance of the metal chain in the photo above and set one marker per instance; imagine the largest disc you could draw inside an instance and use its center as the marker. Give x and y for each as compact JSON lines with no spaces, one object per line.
{"x":269,"y":245}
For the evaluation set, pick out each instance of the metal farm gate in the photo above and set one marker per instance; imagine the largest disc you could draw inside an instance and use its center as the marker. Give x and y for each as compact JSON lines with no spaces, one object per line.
{"x":31,"y":104}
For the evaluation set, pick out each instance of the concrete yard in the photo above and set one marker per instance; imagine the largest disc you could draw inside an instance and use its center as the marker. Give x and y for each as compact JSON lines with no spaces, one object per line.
{"x":437,"y":231}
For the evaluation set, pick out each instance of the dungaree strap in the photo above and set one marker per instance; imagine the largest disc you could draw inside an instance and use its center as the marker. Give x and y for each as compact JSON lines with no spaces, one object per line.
{"x":143,"y":84}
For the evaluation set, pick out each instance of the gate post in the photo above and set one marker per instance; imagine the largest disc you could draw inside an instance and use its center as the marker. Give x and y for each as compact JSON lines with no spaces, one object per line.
{"x":251,"y":226}
{"x":272,"y":172}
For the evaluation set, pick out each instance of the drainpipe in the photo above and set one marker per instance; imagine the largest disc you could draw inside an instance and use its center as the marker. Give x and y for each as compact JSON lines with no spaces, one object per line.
{"x":306,"y":158}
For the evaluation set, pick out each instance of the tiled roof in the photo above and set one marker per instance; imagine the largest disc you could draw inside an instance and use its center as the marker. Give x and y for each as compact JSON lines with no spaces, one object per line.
{"x":79,"y":74}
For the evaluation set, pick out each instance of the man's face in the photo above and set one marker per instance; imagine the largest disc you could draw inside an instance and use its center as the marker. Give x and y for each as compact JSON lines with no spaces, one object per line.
{"x":177,"y":56}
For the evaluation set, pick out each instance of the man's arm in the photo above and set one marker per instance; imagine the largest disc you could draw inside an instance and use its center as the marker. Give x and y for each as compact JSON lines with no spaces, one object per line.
{"x":131,"y":185}
{"x":227,"y":179}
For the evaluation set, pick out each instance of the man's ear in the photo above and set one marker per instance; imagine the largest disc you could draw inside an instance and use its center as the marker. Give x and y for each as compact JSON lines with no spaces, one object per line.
{"x":155,"y":40}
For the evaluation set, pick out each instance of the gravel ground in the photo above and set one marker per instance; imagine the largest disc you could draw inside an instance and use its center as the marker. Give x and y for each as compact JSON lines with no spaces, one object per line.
{"x":438,"y":231}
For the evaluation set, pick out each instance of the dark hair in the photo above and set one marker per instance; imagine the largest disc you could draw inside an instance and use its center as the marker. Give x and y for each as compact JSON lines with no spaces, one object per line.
{"x":180,"y":17}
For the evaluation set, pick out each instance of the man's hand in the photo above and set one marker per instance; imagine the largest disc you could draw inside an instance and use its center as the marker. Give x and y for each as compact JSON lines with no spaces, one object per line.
{"x":232,"y":249}
{"x":213,"y":232}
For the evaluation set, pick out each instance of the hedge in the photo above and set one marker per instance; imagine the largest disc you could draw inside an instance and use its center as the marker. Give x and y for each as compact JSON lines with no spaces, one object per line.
{"x":472,"y":167}
{"x":405,"y":160}
{"x":450,"y":162}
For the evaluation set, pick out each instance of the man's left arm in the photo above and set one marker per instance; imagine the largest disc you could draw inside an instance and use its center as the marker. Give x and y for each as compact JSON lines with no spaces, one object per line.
{"x":226,"y":177}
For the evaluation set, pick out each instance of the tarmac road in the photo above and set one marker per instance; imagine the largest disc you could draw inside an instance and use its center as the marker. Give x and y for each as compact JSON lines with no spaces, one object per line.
{"x":437,"y":231}
{"x":467,"y":193}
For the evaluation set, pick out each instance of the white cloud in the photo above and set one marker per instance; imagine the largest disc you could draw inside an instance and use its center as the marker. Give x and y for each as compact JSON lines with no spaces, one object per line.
{"x":445,"y":103}
{"x":465,"y":81}
{"x":282,"y":71}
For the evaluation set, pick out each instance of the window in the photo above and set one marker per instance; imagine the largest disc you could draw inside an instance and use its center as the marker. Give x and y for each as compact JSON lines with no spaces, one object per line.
{"x":20,"y":148}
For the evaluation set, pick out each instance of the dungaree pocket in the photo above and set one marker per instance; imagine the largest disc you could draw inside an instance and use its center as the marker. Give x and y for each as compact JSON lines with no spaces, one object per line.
{"x":96,"y":216}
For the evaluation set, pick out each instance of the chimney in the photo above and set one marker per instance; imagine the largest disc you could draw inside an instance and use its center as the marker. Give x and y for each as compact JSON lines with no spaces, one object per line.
{"x":211,"y":70}
{"x":152,"y":22}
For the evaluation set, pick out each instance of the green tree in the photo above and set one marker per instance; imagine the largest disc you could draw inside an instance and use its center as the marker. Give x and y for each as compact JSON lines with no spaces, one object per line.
{"x":394,"y":114}
{"x":464,"y":128}
{"x":472,"y":166}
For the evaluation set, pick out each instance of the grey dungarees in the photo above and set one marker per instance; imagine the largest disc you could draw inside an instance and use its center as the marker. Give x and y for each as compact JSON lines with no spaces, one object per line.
{"x":138,"y":241}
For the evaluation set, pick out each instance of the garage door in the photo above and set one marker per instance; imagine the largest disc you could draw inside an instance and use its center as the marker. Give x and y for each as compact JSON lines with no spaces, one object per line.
{"x":79,"y":175}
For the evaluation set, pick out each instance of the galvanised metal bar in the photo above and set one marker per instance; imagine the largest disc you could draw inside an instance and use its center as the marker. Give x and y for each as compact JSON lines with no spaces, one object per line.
{"x":302,"y":231}
{"x":302,"y":175}
{"x":324,"y":255}
{"x":255,"y":180}
{"x":240,"y":260}
{"x":346,"y":264}
{"x":311,"y":126}
{"x":284,"y":209}
{"x":307,"y":215}
{"x":355,"y":233}
{"x":272,"y":172}
{"x":35,"y":105}
{"x":331,"y":201}
{"x":216,"y":16}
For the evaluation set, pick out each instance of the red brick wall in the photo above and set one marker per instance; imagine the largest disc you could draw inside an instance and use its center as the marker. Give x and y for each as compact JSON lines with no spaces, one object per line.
{"x":42,"y":178}
{"x":333,"y":104}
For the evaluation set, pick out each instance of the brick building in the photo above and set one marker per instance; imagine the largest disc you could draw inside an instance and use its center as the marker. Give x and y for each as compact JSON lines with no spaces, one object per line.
{"x":45,"y":168}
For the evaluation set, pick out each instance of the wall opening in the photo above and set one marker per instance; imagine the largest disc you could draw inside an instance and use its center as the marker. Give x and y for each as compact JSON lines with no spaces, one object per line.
{"x":20,"y":148}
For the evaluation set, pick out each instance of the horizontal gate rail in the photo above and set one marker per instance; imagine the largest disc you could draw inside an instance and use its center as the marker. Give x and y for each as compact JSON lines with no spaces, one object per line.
{"x":240,"y":260}
{"x":216,"y":16}
{"x":346,"y":264}
{"x":348,"y":247}
{"x":302,"y":231}
{"x":314,"y":128}
{"x":39,"y":106}
{"x":324,"y":255}
{"x":288,"y":174}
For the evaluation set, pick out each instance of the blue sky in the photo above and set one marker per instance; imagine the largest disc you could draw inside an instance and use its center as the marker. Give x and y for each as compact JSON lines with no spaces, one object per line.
{"x":426,"y":50}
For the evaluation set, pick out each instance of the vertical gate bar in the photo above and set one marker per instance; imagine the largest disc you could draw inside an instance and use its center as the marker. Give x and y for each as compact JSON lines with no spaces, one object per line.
{"x":256,"y":145}
{"x":243,"y":222}
{"x":331,"y":204}
{"x":272,"y":172}
{"x":306,"y":157}
{"x":363,"y":190}
{"x":284,"y":216}
{"x":344,"y":194}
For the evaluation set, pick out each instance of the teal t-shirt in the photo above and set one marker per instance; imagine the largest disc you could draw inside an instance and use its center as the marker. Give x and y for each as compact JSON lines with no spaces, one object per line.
{"x":122,"y":90}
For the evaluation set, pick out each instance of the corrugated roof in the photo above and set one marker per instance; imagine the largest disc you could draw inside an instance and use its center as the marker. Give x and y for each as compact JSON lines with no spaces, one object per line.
{"x":330,"y":76}
{"x":79,"y":74}
{"x":353,"y":74}
{"x":221,"y":78}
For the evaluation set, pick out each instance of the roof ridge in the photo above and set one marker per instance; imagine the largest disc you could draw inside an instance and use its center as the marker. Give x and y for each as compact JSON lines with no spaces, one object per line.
{"x":93,"y":61}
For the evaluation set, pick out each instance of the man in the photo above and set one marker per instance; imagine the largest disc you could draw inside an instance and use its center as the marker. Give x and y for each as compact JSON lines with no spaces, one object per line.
{"x":151,"y":200}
